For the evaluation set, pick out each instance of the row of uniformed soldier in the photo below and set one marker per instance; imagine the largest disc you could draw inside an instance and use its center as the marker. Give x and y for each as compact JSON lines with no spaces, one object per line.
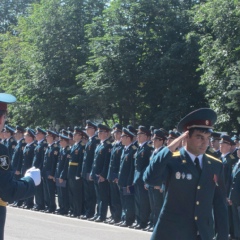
{"x":109,"y":174}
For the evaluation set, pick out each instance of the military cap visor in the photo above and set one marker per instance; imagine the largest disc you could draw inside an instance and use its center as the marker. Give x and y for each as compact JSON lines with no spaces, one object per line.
{"x":5,"y":99}
{"x":203,"y":118}
{"x":20,"y":129}
{"x":226,"y":139}
{"x":52,"y":133}
{"x":40,"y":130}
{"x":125,"y":131}
{"x":9,"y":129}
{"x":143,"y":130}
{"x":90,"y":124}
{"x":102,"y":127}
{"x":63,"y":137}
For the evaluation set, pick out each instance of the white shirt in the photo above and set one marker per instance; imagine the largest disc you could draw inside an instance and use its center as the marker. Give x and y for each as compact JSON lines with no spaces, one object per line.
{"x":192,"y":156}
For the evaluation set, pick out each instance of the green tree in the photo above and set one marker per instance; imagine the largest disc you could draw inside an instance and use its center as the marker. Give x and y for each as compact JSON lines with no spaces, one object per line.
{"x":142,"y":68}
{"x":217,"y":26}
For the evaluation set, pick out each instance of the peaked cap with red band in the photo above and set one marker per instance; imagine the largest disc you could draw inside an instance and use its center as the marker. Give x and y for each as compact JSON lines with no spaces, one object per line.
{"x":201,"y":118}
{"x":5,"y":99}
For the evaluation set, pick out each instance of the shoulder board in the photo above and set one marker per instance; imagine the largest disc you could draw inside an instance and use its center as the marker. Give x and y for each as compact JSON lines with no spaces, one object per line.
{"x":211,"y":150}
{"x":55,"y":145}
{"x":44,"y":141}
{"x":231,"y":156}
{"x":68,"y":148}
{"x":34,"y":144}
{"x":176,"y":154}
{"x":82,"y":143}
{"x":216,"y":159}
{"x":23,"y":141}
{"x":108,"y":142}
{"x":11,"y":140}
{"x":150,"y":145}
{"x":134,"y":147}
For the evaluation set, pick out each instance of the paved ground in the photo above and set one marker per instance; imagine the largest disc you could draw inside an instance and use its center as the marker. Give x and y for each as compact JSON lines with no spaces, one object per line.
{"x":29,"y":225}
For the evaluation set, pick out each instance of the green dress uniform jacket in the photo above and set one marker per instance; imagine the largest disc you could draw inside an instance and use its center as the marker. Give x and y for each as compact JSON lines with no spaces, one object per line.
{"x":190,"y":199}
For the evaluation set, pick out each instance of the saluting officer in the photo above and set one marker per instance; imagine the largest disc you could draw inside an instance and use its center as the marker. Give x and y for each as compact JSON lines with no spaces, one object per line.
{"x":38,"y":159}
{"x":125,"y":178}
{"x":195,"y":184}
{"x":48,"y":171}
{"x":10,"y":189}
{"x":115,"y":203}
{"x":142,"y":157}
{"x":75,"y":183}
{"x":17,"y":157}
{"x":99,"y":172}
{"x":89,"y":190}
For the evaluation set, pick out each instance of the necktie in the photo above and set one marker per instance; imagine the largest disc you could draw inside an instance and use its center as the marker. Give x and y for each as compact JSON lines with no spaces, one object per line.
{"x":196,"y":161}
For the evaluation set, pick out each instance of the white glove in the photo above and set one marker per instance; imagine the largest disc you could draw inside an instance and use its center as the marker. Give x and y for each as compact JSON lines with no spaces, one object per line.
{"x":35,"y":174}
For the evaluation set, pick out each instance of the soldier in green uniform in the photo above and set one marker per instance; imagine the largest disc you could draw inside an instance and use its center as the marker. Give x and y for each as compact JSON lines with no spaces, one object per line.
{"x":125,"y":178}
{"x":48,"y":171}
{"x":38,"y":159}
{"x":214,"y":148}
{"x":10,"y":189}
{"x":99,"y":172}
{"x":195,"y":184}
{"x":116,"y":207}
{"x":17,"y":157}
{"x":10,"y":141}
{"x":142,"y":158}
{"x":75,"y":182}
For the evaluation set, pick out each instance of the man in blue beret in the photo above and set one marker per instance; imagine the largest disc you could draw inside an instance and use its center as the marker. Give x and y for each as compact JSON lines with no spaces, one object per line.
{"x":10,"y":189}
{"x":195,"y":184}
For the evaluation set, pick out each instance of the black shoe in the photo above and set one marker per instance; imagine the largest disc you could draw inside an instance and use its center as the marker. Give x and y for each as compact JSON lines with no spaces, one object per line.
{"x":83,"y":217}
{"x":99,"y":220}
{"x":27,"y":207}
{"x":119,"y":223}
{"x":92,"y":219}
{"x":125,"y":224}
{"x":133,"y":225}
{"x":146,"y":228}
{"x":73,"y":216}
{"x":150,"y":229}
{"x":139,"y":227}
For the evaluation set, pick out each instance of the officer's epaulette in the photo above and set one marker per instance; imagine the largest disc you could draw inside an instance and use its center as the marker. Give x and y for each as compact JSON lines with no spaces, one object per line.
{"x":23,"y":141}
{"x":11,"y":140}
{"x":108,"y":142}
{"x":231,"y":156}
{"x":55,"y":145}
{"x":150,"y":145}
{"x":176,"y":154}
{"x":216,"y":159}
{"x":82,"y":143}
{"x":34,"y":144}
{"x":68,"y":148}
{"x":211,"y":150}
{"x":134,"y":147}
{"x":44,"y":141}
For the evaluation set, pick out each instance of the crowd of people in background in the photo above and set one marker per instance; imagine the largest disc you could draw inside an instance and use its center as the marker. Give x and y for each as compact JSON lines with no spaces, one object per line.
{"x":96,"y":169}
